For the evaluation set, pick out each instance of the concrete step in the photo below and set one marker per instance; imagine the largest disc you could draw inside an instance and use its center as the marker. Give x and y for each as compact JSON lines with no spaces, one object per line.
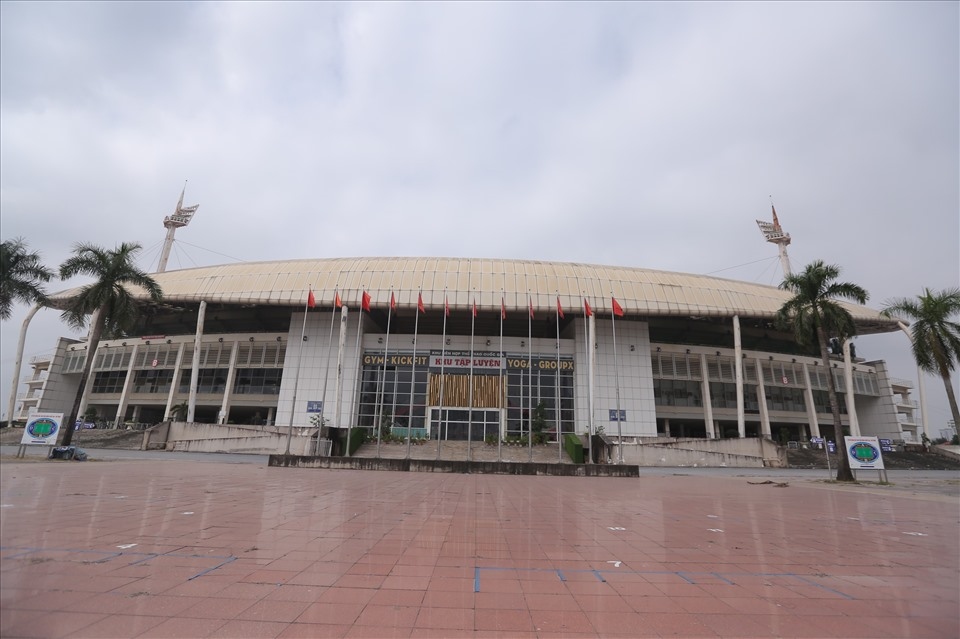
{"x":458,"y":451}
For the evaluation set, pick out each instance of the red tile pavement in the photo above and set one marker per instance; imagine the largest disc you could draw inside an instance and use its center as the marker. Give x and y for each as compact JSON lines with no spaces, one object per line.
{"x":167,"y":548}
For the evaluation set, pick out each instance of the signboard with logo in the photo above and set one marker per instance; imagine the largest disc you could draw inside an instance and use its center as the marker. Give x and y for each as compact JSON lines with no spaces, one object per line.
{"x":42,"y":428}
{"x":613,"y":415}
{"x":864,"y":453}
{"x":315,"y":407}
{"x":886,"y":445}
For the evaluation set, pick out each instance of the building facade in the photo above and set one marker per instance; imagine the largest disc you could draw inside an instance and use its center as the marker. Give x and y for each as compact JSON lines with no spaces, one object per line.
{"x":474,"y":348}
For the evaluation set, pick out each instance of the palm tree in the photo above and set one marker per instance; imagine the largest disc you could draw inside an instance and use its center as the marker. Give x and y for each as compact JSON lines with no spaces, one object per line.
{"x":107,"y":299}
{"x":935,"y":338}
{"x":22,"y":276}
{"x":814,"y":314}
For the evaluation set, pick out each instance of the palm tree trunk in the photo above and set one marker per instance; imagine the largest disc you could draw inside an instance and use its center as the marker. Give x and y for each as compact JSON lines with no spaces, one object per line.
{"x":952,"y":398}
{"x":96,"y":330}
{"x":843,"y":468}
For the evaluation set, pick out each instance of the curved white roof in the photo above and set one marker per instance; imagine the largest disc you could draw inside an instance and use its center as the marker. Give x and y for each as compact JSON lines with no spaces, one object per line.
{"x":639,"y":291}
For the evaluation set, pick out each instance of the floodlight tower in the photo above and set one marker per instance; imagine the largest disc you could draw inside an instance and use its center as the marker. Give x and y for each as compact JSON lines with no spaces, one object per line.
{"x":775,"y":235}
{"x":181,"y":217}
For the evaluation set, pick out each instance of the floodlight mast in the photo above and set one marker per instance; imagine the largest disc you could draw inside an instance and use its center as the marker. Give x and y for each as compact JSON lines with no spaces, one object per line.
{"x":775,"y":235}
{"x":180,"y":218}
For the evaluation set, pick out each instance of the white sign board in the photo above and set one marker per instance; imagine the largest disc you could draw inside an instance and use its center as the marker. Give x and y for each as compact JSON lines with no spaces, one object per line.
{"x":864,"y":453}
{"x":42,"y":428}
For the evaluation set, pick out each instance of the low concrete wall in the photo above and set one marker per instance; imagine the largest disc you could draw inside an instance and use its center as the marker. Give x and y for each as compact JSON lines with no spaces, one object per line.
{"x":710,"y":453}
{"x":226,"y":438}
{"x":449,"y":466}
{"x":156,"y":437}
{"x":953,"y":452}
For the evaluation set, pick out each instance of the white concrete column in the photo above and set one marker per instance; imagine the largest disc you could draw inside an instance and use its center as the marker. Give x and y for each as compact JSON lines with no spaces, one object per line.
{"x":707,"y":401}
{"x":851,"y":397}
{"x":127,"y":382}
{"x":195,"y":371}
{"x":175,"y":382}
{"x":923,"y":395}
{"x":738,"y":365}
{"x":88,"y":387}
{"x":228,"y":390}
{"x":762,"y":401}
{"x":15,"y":382}
{"x":666,"y":427}
{"x":811,"y":406}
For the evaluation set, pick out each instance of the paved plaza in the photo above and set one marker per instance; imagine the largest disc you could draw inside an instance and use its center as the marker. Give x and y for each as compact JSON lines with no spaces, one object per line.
{"x":182,"y":548}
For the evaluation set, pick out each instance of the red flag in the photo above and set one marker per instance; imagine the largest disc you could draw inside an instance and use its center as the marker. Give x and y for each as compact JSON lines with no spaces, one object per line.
{"x":503,"y":309}
{"x":393,"y":302}
{"x":311,"y":300}
{"x":336,"y":300}
{"x":617,"y":309}
{"x":365,"y":301}
{"x":474,"y":308}
{"x":586,"y":308}
{"x":559,"y":308}
{"x":446,"y":306}
{"x":531,"y":307}
{"x":420,"y":303}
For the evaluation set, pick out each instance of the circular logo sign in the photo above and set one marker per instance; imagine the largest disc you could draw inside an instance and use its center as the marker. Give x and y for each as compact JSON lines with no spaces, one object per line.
{"x":42,"y":427}
{"x":864,"y":453}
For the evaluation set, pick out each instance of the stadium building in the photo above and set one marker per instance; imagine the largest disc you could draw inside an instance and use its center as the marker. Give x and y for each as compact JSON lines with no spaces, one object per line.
{"x":463,"y":348}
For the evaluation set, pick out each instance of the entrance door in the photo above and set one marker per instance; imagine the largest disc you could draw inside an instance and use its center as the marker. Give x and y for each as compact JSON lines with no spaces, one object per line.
{"x":459,"y":424}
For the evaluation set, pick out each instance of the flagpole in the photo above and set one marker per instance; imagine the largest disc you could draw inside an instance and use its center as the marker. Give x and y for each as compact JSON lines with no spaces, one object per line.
{"x":586,"y":342}
{"x":341,"y":345}
{"x":501,"y":430}
{"x":383,"y":376}
{"x":616,"y":371}
{"x":530,"y":377}
{"x":413,"y":373}
{"x":359,"y":377}
{"x":326,"y":372}
{"x":473,"y":320}
{"x":557,"y":400}
{"x":296,"y":378}
{"x":443,"y":355}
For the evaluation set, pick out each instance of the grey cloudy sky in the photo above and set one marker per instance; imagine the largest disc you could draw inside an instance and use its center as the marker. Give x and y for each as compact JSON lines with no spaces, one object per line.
{"x":644,"y":134}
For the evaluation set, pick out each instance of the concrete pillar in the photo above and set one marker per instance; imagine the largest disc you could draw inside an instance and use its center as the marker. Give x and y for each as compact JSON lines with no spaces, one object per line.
{"x":811,"y":406}
{"x":762,"y":402}
{"x":15,"y":383}
{"x":707,"y":401}
{"x":851,"y":397}
{"x":125,"y":393}
{"x":228,"y":389}
{"x":175,"y":382}
{"x":738,"y":365}
{"x":195,"y":371}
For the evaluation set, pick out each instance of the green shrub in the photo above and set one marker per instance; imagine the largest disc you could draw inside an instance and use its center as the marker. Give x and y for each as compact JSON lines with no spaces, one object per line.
{"x":574,"y":447}
{"x":357,"y":437}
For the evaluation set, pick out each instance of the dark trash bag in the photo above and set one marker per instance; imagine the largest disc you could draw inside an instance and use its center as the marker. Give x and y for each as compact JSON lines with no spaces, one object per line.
{"x":68,"y":452}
